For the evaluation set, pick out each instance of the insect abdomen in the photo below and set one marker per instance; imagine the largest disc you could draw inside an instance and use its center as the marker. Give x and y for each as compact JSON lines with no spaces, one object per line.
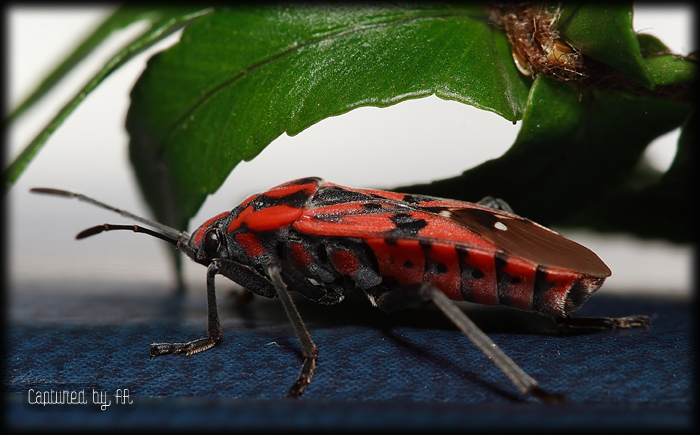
{"x":473,"y":275}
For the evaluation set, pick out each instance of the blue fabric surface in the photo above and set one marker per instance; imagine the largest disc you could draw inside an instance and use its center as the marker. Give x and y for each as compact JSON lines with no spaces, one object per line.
{"x":410,"y":369}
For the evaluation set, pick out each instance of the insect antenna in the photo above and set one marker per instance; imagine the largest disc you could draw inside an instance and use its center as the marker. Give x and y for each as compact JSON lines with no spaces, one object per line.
{"x":164,"y":232}
{"x":135,"y":228}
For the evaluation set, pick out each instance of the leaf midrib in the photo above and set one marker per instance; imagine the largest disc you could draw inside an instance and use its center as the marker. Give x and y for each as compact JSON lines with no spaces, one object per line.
{"x":229,"y":82}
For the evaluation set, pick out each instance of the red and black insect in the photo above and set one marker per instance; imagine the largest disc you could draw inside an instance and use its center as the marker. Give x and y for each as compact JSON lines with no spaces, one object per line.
{"x":324,"y":240}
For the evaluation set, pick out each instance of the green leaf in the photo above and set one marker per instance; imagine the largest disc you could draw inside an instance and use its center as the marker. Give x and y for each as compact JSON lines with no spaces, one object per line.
{"x":239,"y":79}
{"x":671,"y":69}
{"x":651,"y":45}
{"x":604,"y":32}
{"x":162,"y":23}
{"x":666,"y":68}
{"x":118,"y":20}
{"x":574,"y":150}
{"x":661,"y":208}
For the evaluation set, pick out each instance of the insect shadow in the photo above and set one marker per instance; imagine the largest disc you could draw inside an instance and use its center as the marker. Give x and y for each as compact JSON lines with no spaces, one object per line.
{"x":356,"y":310}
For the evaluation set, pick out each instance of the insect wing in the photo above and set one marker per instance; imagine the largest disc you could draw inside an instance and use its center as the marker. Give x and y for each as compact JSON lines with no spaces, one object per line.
{"x":344,"y":212}
{"x":525,"y":239}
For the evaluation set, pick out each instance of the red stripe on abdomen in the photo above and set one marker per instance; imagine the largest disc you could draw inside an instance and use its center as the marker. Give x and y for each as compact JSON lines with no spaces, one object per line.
{"x":477,"y":276}
{"x":442,"y":269}
{"x":401,"y":259}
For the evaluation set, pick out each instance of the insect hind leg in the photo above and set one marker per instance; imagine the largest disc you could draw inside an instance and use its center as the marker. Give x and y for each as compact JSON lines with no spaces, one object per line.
{"x":588,"y":323}
{"x":403,"y":297}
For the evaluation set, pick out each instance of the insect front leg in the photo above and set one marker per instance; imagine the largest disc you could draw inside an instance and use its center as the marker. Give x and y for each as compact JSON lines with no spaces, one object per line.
{"x":239,"y":273}
{"x":403,"y":297}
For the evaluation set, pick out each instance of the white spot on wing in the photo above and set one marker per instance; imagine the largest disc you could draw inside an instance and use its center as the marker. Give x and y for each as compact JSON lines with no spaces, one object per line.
{"x":500,"y":226}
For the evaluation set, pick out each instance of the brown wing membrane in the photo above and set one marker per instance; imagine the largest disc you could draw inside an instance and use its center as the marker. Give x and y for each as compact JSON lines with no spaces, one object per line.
{"x":528,"y":240}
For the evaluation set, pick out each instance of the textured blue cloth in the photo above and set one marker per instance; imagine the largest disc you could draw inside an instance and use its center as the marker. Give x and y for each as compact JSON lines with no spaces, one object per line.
{"x":406,"y":370}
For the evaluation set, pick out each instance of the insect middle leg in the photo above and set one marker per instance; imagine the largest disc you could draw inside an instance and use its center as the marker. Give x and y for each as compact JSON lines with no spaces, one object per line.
{"x":308,"y":348}
{"x":403,"y":297}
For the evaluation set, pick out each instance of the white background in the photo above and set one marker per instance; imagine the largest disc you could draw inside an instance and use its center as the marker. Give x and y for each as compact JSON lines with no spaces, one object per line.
{"x":414,"y":141}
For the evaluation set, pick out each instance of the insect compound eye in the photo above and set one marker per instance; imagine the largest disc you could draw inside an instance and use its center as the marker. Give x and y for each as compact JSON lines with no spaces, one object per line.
{"x":212,"y":242}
